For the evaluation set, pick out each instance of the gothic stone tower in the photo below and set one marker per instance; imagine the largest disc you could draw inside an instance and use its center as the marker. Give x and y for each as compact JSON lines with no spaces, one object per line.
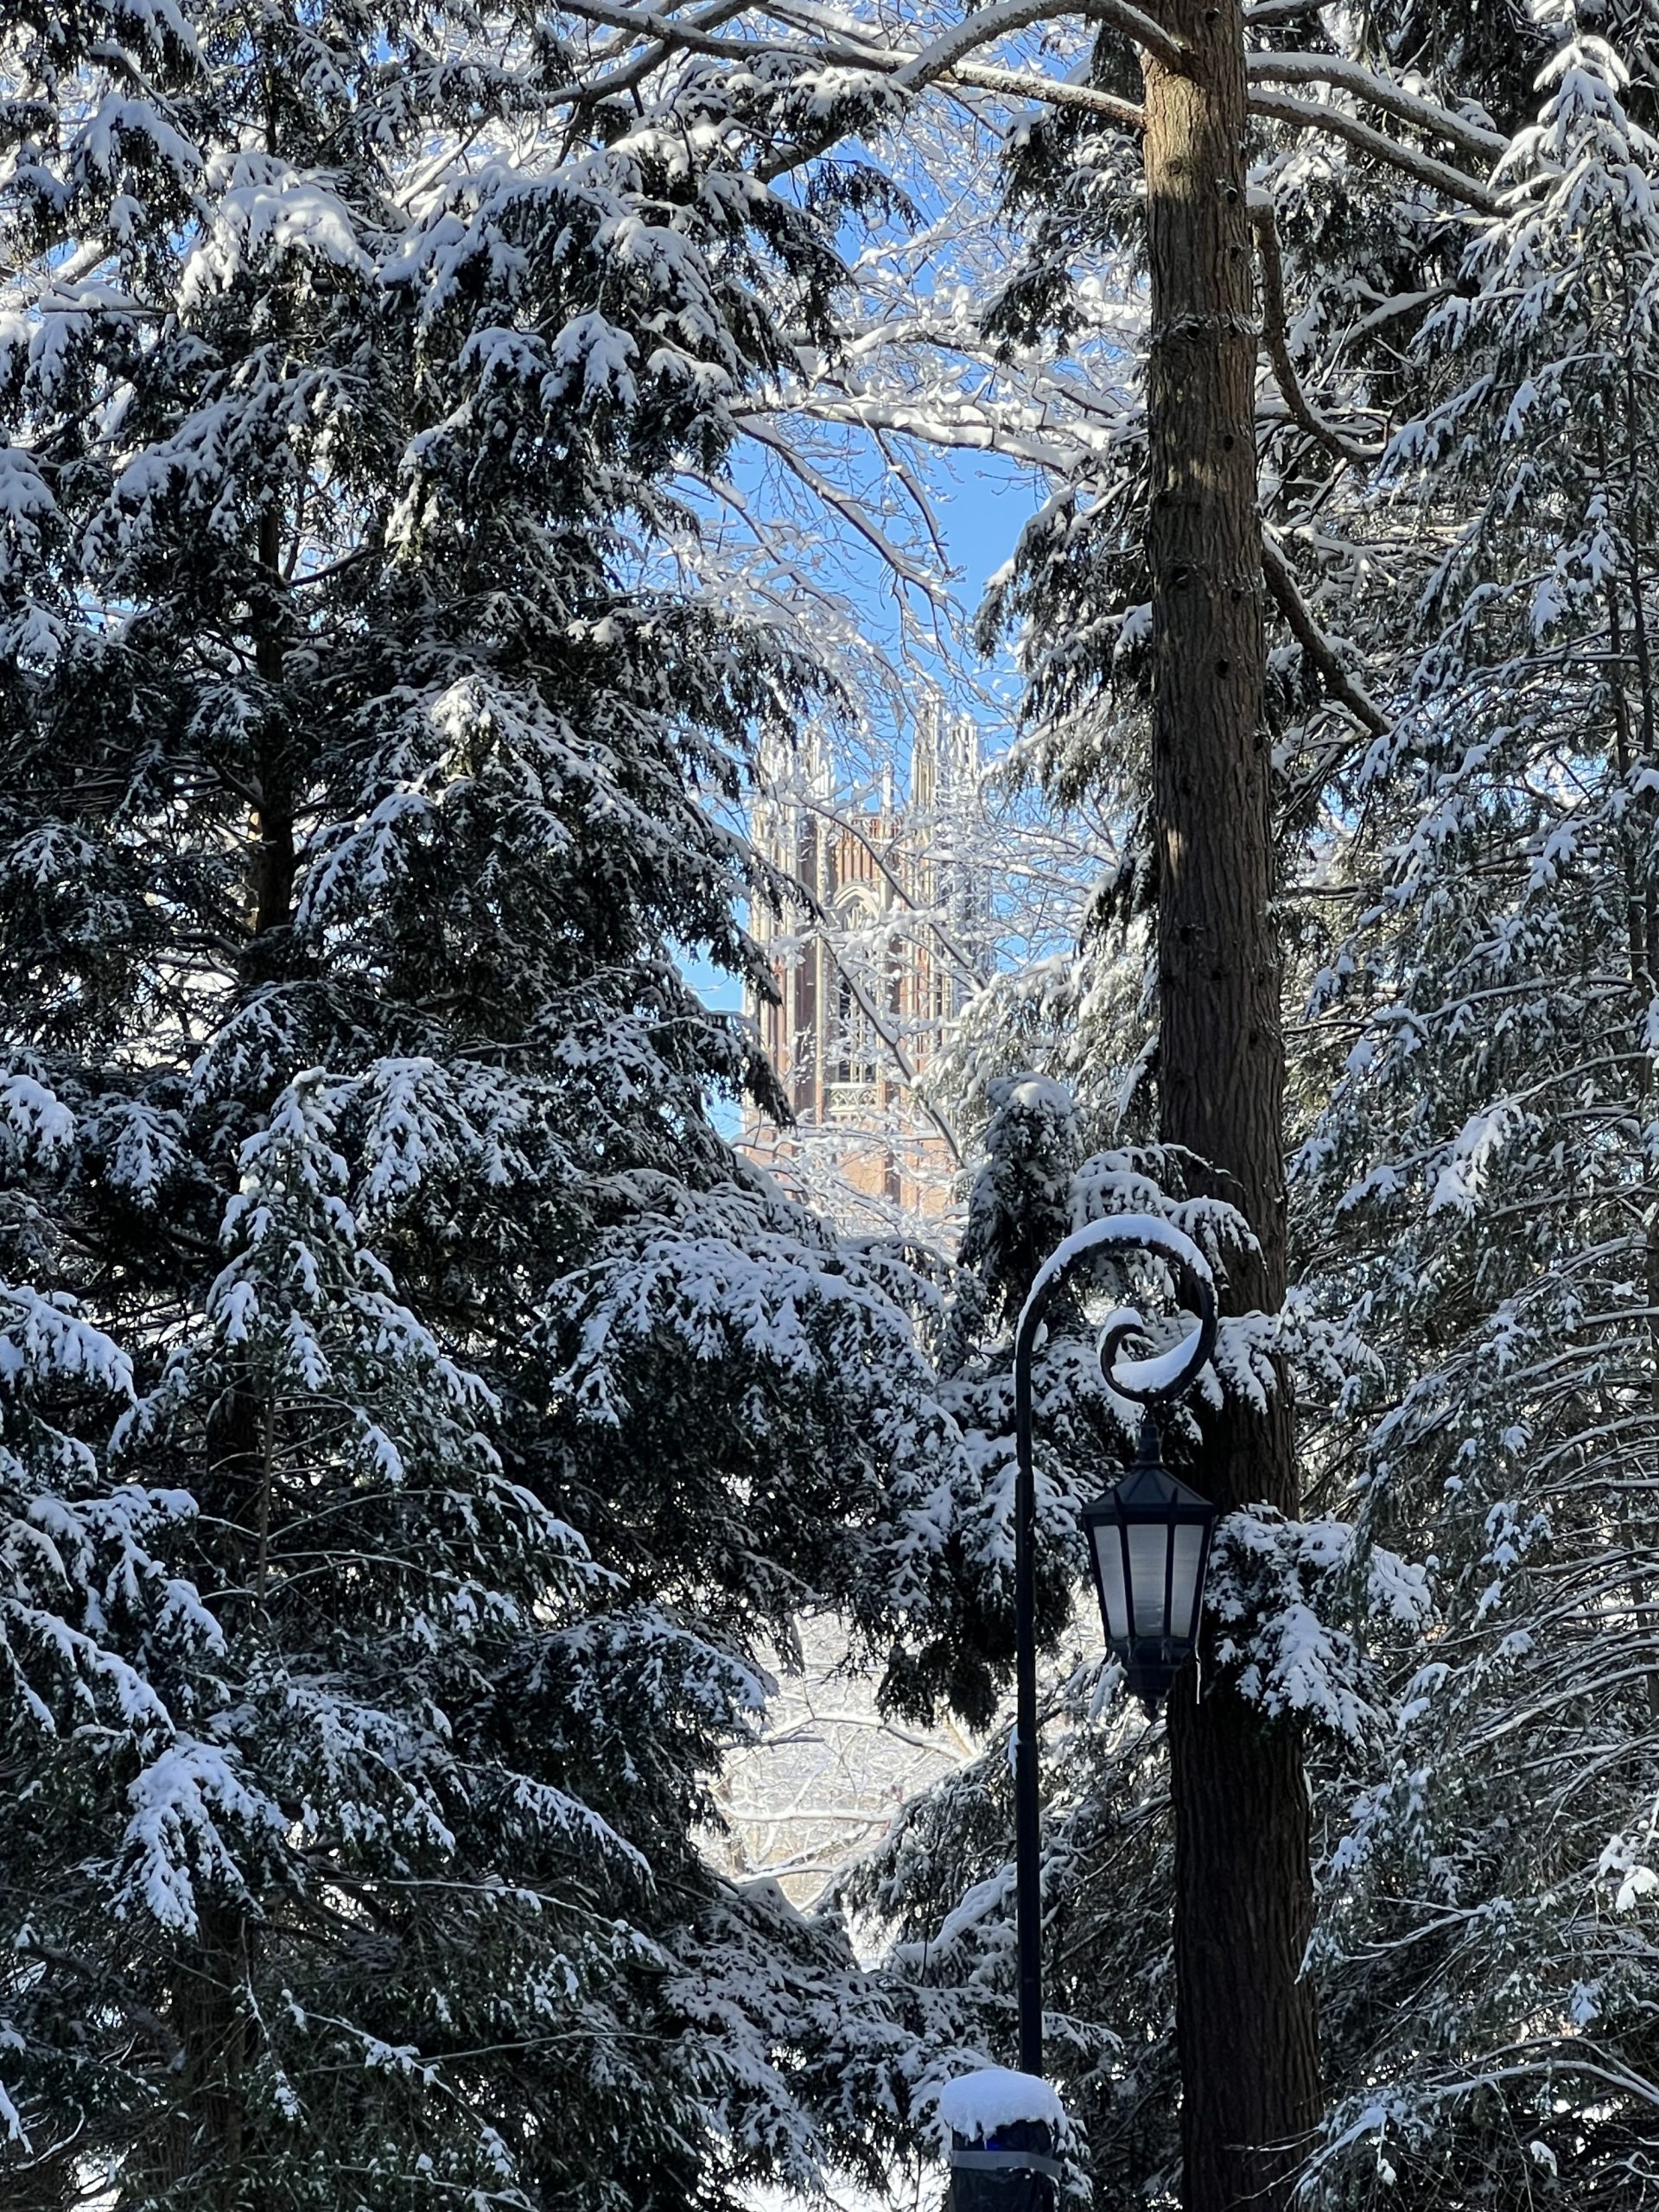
{"x":868,"y":974}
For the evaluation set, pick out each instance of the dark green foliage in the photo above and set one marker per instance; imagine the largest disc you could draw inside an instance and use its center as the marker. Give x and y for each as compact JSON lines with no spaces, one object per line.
{"x":372,"y":745}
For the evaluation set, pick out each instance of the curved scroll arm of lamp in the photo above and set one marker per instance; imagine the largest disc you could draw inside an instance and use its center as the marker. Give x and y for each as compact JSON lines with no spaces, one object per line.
{"x":1167,"y":1375}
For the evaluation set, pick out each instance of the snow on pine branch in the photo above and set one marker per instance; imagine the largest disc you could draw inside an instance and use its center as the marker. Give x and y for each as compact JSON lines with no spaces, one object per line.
{"x":793,"y":1309}
{"x":192,"y":1820}
{"x":1293,"y":1599}
{"x":76,"y":1564}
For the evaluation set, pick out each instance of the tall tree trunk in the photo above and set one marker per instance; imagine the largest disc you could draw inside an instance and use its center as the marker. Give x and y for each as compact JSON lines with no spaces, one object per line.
{"x":196,"y":2161}
{"x":1249,"y":2037}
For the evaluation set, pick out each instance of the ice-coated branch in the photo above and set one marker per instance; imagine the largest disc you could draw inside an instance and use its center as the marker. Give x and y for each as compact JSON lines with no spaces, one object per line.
{"x":958,"y":425}
{"x":847,"y":822}
{"x":1031,"y":84}
{"x":664,"y":30}
{"x":664,"y":37}
{"x":1365,"y":84}
{"x":888,"y":1034}
{"x":843,"y":46}
{"x":851,"y":511}
{"x":1004,"y":15}
{"x":842,"y":43}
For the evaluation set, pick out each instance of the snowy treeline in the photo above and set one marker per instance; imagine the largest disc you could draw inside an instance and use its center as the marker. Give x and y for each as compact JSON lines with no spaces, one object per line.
{"x":416,"y":1422}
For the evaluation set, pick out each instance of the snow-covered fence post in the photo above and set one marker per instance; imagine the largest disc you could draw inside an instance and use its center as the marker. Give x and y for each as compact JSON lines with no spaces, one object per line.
{"x":1149,"y":1382}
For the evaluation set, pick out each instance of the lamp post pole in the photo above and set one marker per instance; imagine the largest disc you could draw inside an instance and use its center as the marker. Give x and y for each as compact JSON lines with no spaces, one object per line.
{"x":1149,"y":1382}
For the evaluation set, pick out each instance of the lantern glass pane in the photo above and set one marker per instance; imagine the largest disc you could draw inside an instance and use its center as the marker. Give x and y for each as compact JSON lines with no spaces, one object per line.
{"x":1149,"y":1559}
{"x":1109,"y":1551}
{"x":1184,"y":1580}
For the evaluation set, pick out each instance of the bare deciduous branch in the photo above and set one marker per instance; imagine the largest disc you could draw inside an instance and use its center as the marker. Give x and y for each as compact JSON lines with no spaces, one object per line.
{"x":995,"y":22}
{"x":1031,"y":84}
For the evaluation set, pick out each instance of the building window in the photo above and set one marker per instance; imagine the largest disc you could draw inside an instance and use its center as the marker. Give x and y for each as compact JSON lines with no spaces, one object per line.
{"x":857,"y":1043}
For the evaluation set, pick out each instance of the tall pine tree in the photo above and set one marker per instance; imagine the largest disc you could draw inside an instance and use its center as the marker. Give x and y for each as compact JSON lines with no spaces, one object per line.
{"x":370,"y":750}
{"x":1481,"y":1180}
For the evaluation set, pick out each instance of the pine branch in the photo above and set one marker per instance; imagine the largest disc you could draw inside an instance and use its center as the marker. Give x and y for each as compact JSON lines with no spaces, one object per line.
{"x":1364,"y":84}
{"x":665,"y":34}
{"x":1339,"y":683}
{"x":1275,"y":333}
{"x":1423,"y":168}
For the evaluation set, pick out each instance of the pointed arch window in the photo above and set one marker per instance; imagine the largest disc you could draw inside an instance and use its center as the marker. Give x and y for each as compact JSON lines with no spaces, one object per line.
{"x":854,"y":1057}
{"x":855,"y":1036}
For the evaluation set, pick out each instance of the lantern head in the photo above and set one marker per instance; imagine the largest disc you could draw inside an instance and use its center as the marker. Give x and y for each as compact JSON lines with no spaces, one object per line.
{"x":1149,"y":1543}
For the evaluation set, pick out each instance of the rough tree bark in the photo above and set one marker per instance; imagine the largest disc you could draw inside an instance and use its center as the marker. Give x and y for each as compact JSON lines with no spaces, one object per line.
{"x":1249,"y":2038}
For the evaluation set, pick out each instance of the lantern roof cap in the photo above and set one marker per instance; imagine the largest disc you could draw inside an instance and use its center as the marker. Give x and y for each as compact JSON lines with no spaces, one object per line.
{"x":1152,"y":1487}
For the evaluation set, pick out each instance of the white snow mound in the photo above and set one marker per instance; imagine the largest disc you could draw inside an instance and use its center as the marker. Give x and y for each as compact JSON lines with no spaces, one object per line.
{"x":978,"y":2104}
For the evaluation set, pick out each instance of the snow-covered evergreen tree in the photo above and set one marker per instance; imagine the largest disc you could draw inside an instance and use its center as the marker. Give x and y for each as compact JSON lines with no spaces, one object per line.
{"x":1480,"y":1190}
{"x":369,"y":741}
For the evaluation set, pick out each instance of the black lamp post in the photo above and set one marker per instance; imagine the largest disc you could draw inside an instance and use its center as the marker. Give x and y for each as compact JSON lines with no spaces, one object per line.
{"x":1149,"y":1540}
